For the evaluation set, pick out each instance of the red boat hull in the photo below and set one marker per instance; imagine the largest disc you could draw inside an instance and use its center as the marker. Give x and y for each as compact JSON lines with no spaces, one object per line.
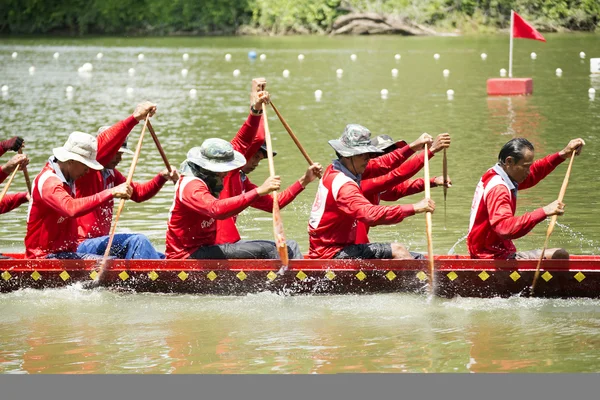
{"x":455,"y":276}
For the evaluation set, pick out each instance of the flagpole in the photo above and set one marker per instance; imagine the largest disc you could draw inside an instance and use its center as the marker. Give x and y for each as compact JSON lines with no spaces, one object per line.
{"x":512,"y":21}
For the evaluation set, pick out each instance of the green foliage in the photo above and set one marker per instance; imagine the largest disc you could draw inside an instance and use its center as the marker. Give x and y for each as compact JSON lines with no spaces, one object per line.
{"x":78,"y":17}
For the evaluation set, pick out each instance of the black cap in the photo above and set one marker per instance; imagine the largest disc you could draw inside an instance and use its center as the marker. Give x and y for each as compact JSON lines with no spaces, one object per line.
{"x":264,"y":149}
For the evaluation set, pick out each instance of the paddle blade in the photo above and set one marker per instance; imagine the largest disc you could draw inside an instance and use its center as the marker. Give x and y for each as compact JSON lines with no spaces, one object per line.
{"x":279,"y":234}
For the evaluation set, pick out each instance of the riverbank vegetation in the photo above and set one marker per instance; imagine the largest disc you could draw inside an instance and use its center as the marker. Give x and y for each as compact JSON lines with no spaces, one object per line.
{"x":278,"y":17}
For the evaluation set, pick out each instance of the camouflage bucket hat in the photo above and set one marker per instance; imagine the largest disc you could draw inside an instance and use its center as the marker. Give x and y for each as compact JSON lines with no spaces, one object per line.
{"x":355,"y":140}
{"x":383,"y":142}
{"x":263,"y":148}
{"x":216,"y":155}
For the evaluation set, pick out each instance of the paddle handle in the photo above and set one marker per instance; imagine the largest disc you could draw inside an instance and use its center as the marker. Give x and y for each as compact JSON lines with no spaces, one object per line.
{"x":289,"y":130}
{"x":445,"y":172}
{"x":561,"y":196}
{"x":10,"y":179}
{"x":428,"y":222}
{"x":134,"y":162}
{"x":159,"y":147}
{"x":277,"y":222}
{"x":26,"y":174}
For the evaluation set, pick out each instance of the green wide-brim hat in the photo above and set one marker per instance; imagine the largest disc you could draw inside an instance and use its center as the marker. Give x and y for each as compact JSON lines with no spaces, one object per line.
{"x":216,"y":155}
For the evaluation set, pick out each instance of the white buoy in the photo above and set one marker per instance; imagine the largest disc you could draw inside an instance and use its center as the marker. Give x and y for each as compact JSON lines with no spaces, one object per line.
{"x":185,"y":56}
{"x":131,"y":71}
{"x":14,"y":55}
{"x":184,"y":72}
{"x":141,"y":57}
{"x":318,"y":95}
{"x":263,"y":57}
{"x":446,"y":73}
{"x":129,"y":91}
{"x":590,"y":90}
{"x":5,"y":89}
{"x":483,"y":56}
{"x":397,"y":57}
{"x":56,"y":55}
{"x":582,"y":55}
{"x":228,"y":57}
{"x":87,"y":67}
{"x":99,"y":56}
{"x":339,"y":72}
{"x":353,"y":57}
{"x":503,"y":72}
{"x":450,"y":94}
{"x":558,"y":72}
{"x":236,"y":72}
{"x":533,"y":56}
{"x":394,"y":73}
{"x":193,"y":93}
{"x":436,"y":56}
{"x":286,"y":73}
{"x":300,"y":57}
{"x":69,"y":89}
{"x":31,"y":70}
{"x":384,"y":93}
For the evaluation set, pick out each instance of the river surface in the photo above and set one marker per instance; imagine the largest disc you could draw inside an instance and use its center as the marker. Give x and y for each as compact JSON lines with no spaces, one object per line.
{"x":79,"y":331}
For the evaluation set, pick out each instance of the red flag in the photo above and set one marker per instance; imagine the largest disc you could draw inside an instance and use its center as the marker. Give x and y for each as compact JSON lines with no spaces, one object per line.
{"x":521,"y":29}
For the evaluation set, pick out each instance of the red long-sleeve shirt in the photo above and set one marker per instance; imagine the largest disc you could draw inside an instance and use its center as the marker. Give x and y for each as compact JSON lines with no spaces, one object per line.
{"x":52,"y":218}
{"x":193,"y":215}
{"x":338,"y":206}
{"x":12,"y":201}
{"x":387,"y":162}
{"x":227,"y":231}
{"x":97,"y":223}
{"x":390,"y":187}
{"x":493,"y":222}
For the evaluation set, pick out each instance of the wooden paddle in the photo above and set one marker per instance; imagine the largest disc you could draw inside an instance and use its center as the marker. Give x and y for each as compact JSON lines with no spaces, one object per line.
{"x":111,"y":237}
{"x":277,"y":222}
{"x":294,"y":138}
{"x":445,"y":172}
{"x":561,"y":196}
{"x":428,"y":222}
{"x":159,"y":147}
{"x":26,"y":174}
{"x":10,"y":179}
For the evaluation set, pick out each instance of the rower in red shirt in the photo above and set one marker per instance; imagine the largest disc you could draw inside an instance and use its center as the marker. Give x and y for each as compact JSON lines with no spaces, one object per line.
{"x":94,"y":227}
{"x":493,"y":223}
{"x":53,"y":212}
{"x":238,"y":182}
{"x":395,"y":184}
{"x":12,"y":201}
{"x":192,"y":228}
{"x":340,"y":204}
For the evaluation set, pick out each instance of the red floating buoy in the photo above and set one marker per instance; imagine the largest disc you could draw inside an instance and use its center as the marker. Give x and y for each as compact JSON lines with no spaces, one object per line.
{"x":509,"y":86}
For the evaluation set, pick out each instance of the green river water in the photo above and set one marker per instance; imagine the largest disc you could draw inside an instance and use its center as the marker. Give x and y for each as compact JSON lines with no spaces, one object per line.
{"x":96,"y":331}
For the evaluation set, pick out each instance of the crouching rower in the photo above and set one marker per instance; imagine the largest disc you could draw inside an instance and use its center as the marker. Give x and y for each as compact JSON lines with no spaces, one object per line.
{"x":396,"y":184}
{"x":493,"y":223}
{"x":94,"y":227}
{"x":12,"y":201}
{"x":53,"y":210}
{"x":192,"y":228}
{"x":340,"y":204}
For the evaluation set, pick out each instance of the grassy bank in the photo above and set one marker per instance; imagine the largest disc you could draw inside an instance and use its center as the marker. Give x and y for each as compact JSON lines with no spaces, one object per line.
{"x":217,"y":17}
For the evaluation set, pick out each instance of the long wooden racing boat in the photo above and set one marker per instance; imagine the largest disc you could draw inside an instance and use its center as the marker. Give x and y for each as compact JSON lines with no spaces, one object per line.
{"x":455,"y":276}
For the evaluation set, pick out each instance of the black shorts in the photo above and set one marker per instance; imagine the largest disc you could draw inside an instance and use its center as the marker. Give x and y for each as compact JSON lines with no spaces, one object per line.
{"x":366,"y":251}
{"x":370,"y":251}
{"x":244,"y":250}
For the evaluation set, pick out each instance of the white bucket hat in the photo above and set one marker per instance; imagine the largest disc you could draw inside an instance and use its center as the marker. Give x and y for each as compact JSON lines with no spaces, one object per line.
{"x":216,"y":155}
{"x":80,"y":147}
{"x":123,"y":148}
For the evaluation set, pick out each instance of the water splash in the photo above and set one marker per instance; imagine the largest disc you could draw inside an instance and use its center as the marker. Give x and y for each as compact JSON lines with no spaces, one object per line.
{"x":579,"y":238}
{"x":459,"y":241}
